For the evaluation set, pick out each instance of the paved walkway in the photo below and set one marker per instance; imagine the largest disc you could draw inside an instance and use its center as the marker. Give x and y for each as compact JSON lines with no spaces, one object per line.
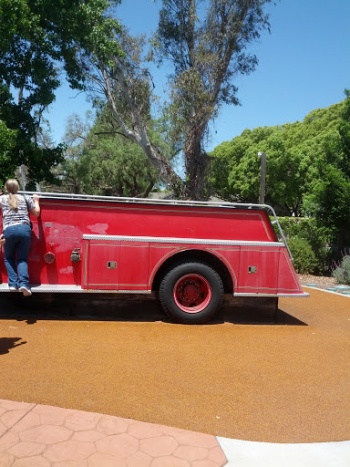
{"x":338,"y":288}
{"x":33,"y":435}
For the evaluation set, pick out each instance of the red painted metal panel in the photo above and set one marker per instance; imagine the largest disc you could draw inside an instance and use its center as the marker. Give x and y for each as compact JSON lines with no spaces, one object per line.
{"x":100,"y":265}
{"x":115,"y":265}
{"x":288,"y":281}
{"x":258,"y":270}
{"x":134,"y":266}
{"x":73,"y":218}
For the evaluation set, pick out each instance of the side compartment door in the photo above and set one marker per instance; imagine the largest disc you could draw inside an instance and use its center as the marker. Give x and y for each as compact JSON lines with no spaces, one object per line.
{"x":258,"y":270}
{"x":115,"y":264}
{"x":134,"y":266}
{"x":100,"y":264}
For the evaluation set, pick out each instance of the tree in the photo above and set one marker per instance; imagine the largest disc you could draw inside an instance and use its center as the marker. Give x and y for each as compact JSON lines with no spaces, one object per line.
{"x":99,"y":161}
{"x":37,"y":39}
{"x":206,"y":42}
{"x":7,"y":145}
{"x":296,"y":156}
{"x":115,"y":167}
{"x":110,"y":164}
{"x":330,"y":195}
{"x":125,"y":87}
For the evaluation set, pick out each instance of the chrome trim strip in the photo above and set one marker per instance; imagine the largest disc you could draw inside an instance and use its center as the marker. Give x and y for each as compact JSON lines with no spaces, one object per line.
{"x":257,"y":295}
{"x":187,"y":241}
{"x":155,"y":201}
{"x":49,"y":288}
{"x":77,"y":289}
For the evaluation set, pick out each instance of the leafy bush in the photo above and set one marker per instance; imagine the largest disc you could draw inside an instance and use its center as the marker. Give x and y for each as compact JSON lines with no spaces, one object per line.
{"x":306,"y":238}
{"x":305,"y":261}
{"x":342,"y":272}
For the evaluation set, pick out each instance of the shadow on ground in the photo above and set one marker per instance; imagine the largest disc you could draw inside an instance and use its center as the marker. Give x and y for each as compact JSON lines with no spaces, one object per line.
{"x":110,"y":307}
{"x":8,"y":343}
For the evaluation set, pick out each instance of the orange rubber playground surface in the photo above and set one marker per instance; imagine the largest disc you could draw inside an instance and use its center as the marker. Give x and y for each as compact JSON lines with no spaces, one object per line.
{"x":85,"y":390}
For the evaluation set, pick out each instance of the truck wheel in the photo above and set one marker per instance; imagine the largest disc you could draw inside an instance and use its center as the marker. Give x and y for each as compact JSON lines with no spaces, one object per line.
{"x":191,"y":293}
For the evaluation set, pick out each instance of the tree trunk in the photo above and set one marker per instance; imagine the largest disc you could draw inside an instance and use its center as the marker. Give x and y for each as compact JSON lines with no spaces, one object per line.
{"x":196,"y":164}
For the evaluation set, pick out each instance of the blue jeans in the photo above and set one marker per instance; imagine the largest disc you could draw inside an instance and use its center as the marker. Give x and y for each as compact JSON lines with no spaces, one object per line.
{"x":16,"y":251}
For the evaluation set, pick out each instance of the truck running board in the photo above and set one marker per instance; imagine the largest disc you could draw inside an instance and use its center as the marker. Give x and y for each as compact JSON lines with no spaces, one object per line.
{"x":51,"y":288}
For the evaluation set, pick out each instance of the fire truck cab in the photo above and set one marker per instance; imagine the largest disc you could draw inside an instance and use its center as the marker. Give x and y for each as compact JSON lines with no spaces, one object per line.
{"x":189,"y":254}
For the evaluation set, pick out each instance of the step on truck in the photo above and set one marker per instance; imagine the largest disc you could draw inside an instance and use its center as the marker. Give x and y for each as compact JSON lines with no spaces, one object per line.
{"x":188,"y":254}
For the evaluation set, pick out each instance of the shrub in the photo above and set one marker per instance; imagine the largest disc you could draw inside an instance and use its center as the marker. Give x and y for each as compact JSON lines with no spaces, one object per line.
{"x":342,"y":272}
{"x":305,"y":261}
{"x":311,"y":236}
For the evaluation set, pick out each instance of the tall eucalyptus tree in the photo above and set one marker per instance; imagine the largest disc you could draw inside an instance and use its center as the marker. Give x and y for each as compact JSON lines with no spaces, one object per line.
{"x":207,"y":44}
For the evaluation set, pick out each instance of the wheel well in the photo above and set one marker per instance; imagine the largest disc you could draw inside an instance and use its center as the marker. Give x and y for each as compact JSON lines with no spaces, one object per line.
{"x":195,"y":255}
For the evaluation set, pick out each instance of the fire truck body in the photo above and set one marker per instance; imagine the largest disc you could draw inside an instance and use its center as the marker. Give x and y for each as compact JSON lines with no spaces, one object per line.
{"x":189,"y":253}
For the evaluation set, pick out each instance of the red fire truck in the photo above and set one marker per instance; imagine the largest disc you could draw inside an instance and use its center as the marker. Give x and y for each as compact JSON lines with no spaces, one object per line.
{"x":189,"y":254}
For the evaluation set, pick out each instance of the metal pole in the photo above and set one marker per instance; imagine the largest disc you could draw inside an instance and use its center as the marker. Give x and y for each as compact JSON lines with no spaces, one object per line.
{"x":262,"y":177}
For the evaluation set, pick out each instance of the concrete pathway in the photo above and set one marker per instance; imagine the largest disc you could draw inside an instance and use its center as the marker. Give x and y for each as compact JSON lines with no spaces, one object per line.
{"x":33,"y":435}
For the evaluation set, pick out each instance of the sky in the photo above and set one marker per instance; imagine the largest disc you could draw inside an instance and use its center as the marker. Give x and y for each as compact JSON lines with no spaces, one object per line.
{"x":304,"y":64}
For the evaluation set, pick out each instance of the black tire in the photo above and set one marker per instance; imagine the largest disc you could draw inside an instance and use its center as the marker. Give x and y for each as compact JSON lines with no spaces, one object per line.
{"x":191,"y":293}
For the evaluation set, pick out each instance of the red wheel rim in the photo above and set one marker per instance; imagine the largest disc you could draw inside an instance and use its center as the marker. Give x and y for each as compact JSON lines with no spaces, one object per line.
{"x":192,"y":293}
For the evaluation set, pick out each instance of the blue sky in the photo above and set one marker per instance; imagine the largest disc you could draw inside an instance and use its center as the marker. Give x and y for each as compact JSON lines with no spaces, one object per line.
{"x":304,"y":64}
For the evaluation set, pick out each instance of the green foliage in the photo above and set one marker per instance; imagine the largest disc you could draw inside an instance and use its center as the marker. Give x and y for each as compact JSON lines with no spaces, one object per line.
{"x":100,"y":161}
{"x":295,"y":156}
{"x":116,"y":167}
{"x":328,"y":198}
{"x":342,"y":271}
{"x":38,"y":40}
{"x":309,"y":243}
{"x":7,"y":144}
{"x":304,"y":259}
